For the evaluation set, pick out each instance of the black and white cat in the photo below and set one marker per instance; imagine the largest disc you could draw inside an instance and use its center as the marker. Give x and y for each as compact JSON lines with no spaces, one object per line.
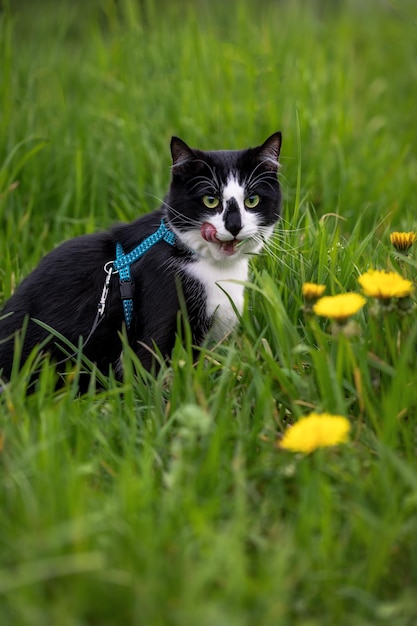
{"x":220,"y":209}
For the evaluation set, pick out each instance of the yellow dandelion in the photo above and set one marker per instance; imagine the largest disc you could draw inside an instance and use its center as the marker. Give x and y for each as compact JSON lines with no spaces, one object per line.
{"x":403,"y":241}
{"x":312,"y":291}
{"x":316,"y":430}
{"x":340,"y":307}
{"x":385,"y":285}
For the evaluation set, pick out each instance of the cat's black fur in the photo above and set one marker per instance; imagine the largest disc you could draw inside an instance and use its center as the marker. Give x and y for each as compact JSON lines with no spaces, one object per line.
{"x":64,"y":290}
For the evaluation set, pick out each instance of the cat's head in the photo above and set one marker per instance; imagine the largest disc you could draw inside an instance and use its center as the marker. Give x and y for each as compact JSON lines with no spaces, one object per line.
{"x":224,"y":203}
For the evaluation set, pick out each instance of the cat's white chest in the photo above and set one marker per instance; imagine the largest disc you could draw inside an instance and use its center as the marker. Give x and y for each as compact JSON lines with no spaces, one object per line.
{"x":224,"y":291}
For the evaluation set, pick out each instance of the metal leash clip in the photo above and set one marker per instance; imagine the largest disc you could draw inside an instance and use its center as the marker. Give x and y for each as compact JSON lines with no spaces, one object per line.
{"x":108,"y":268}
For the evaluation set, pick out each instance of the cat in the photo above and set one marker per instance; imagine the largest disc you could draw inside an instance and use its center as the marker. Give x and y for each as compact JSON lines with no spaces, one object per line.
{"x":221,"y":208}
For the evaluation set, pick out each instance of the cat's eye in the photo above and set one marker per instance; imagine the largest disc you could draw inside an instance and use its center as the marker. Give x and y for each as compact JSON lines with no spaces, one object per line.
{"x":252,"y":201}
{"x":211,"y":202}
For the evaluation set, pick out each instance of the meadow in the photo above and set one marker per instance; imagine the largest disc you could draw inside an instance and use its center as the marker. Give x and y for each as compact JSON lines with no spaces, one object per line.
{"x":168,"y":499}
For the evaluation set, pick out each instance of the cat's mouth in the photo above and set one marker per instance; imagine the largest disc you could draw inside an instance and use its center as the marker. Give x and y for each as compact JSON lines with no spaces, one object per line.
{"x":209,"y":233}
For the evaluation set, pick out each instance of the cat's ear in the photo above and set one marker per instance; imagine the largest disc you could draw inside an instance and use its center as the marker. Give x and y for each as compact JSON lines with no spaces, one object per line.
{"x":181,"y":153}
{"x":269,"y":151}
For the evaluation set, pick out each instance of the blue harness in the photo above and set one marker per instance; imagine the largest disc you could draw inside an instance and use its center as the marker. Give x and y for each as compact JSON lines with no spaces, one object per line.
{"x":123,"y":262}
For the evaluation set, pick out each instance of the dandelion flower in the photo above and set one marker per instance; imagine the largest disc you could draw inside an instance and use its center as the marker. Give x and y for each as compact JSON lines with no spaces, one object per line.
{"x":340,"y":307}
{"x":385,"y":285}
{"x":403,"y":241}
{"x":316,"y":430}
{"x":312,"y":291}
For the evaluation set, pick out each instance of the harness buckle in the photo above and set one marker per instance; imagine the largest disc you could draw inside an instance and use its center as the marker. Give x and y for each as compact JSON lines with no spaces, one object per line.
{"x":126,"y":290}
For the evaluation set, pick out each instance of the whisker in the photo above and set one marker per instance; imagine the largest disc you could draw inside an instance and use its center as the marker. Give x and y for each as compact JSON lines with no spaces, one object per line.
{"x":278,"y":244}
{"x":284,"y":222}
{"x":251,"y":177}
{"x":279,"y":240}
{"x":283,"y":236}
{"x":281,"y":259}
{"x":207,"y":187}
{"x":177,"y":216}
{"x":180,"y":220}
{"x":263,"y":177}
{"x":212,"y":172}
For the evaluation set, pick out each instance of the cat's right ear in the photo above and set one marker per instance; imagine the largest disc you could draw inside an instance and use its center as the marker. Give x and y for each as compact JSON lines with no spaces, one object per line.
{"x":181,"y":153}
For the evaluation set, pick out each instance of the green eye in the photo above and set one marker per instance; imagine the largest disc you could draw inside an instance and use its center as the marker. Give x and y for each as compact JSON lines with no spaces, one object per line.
{"x":252,"y":201}
{"x":211,"y":202}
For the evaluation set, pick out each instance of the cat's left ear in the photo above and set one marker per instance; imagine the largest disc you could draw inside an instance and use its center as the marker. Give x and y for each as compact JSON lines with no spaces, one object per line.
{"x":181,"y":153}
{"x":269,"y":151}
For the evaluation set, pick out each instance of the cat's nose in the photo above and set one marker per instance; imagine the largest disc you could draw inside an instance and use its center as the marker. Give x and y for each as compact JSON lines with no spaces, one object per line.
{"x":232,"y":219}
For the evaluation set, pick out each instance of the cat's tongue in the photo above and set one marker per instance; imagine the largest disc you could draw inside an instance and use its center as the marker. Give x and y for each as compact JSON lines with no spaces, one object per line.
{"x":208,"y":232}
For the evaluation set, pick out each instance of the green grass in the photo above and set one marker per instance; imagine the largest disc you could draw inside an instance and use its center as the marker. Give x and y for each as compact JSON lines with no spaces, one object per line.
{"x":166,"y":500}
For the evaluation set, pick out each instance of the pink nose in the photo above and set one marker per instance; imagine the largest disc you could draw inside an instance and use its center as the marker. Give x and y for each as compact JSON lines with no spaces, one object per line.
{"x":208,"y":232}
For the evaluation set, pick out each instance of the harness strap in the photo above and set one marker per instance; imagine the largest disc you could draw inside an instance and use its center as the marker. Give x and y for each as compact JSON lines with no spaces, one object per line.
{"x":123,"y":262}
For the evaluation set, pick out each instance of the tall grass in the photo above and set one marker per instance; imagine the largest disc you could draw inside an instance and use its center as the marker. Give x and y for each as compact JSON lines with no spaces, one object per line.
{"x":166,"y":500}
